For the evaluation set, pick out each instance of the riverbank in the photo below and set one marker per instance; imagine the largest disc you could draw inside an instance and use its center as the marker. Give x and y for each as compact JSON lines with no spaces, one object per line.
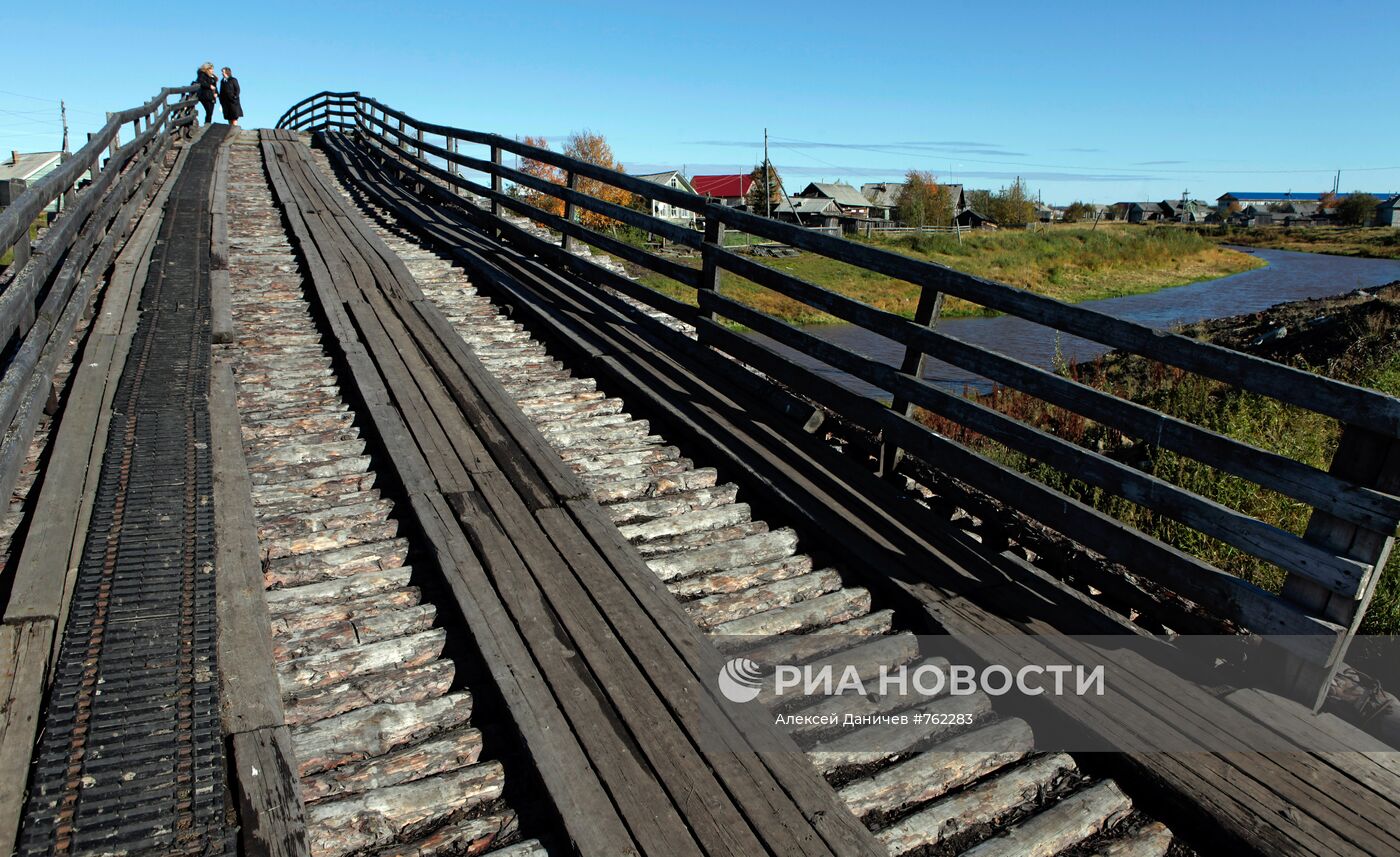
{"x":1069,"y":264}
{"x":1354,"y":338}
{"x":1366,"y":242}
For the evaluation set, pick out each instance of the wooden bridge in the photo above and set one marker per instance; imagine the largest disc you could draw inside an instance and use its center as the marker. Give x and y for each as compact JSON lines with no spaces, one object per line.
{"x":363,"y":507}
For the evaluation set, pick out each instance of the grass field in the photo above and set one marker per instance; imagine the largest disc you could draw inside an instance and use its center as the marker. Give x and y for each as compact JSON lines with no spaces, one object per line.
{"x":1072,"y":264}
{"x":1370,"y":242}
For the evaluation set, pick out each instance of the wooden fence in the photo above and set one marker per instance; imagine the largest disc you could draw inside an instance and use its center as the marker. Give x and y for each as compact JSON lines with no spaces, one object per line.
{"x":1331,"y":569}
{"x":47,"y":287}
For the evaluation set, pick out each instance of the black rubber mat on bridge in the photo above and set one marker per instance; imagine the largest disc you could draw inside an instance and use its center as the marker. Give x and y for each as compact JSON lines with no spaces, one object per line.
{"x":131,"y":757}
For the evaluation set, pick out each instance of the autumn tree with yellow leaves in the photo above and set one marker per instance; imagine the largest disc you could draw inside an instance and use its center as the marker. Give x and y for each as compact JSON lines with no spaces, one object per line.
{"x":584,"y":146}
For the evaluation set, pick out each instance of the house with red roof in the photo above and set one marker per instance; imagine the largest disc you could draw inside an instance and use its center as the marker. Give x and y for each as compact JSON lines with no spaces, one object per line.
{"x":730,"y":190}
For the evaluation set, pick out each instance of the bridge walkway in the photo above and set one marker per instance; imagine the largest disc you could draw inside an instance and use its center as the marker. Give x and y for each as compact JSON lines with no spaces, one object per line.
{"x":437,"y":593}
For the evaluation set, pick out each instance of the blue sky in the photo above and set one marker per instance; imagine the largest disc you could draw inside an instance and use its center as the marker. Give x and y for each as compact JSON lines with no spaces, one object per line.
{"x":1101,"y":102}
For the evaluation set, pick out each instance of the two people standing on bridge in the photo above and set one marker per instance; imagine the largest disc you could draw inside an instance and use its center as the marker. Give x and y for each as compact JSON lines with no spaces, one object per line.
{"x":226,"y":93}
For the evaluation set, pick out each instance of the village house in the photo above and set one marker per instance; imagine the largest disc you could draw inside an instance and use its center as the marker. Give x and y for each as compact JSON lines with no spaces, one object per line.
{"x":809,"y":211}
{"x":664,"y":210}
{"x":850,"y":200}
{"x":1190,"y":211}
{"x":24,"y":169}
{"x":883,"y":197}
{"x":731,"y":190}
{"x":1144,"y":212}
{"x":1386,"y":214}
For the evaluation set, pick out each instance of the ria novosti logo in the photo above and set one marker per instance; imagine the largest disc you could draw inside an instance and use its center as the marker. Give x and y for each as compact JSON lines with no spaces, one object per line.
{"x":740,"y":680}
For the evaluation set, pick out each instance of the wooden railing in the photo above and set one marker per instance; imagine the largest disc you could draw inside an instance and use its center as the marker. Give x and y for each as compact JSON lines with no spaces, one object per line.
{"x":1331,"y":569}
{"x":47,"y":287}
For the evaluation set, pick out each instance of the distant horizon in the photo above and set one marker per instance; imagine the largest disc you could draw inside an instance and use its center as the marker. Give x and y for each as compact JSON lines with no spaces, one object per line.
{"x":1082,"y":103}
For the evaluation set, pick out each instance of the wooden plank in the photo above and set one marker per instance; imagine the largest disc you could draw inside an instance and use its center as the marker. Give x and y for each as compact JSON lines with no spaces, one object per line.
{"x":643,"y":802}
{"x":272,"y":819}
{"x":788,"y":767}
{"x":604,"y":647}
{"x":588,"y":815}
{"x":249,"y":696}
{"x":220,"y":296}
{"x":24,"y":659}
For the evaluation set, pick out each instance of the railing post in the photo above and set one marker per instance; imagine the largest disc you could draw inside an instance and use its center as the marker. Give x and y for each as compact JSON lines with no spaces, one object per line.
{"x":925,"y":315}
{"x":116,"y":138}
{"x":710,"y":271}
{"x":10,"y":190}
{"x":419,"y":134}
{"x":497,"y":184}
{"x":454,"y":168}
{"x":1364,"y":458}
{"x":570,"y":210}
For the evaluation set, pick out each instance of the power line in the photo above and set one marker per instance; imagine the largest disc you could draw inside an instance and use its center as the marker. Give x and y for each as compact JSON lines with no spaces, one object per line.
{"x":890,"y":151}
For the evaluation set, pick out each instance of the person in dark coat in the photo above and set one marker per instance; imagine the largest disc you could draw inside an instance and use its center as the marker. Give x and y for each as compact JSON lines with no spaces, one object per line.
{"x":228,"y":98}
{"x":208,"y":90}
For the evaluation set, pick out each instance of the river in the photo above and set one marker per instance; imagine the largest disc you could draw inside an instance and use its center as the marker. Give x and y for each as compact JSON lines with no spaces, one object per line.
{"x":1289,"y":276}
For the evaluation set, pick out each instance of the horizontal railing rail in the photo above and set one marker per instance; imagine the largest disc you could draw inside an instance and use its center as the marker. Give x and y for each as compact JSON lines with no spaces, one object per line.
{"x":1331,"y":569}
{"x":47,"y":288}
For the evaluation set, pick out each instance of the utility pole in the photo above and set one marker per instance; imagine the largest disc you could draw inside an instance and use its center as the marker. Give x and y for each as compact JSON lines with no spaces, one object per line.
{"x":1185,"y":198}
{"x":767,"y":179}
{"x":63,"y":115}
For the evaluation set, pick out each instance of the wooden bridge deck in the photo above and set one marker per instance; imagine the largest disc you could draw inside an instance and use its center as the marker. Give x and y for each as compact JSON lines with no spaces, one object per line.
{"x":442,"y":628}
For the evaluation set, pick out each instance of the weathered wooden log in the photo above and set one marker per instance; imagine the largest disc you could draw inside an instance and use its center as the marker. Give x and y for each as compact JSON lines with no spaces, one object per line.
{"x":412,"y":762}
{"x":715,"y":610}
{"x":755,"y":550}
{"x":305,"y":503}
{"x":1067,"y":823}
{"x":279,"y":544}
{"x":739,"y":579}
{"x":320,"y":671}
{"x":701,"y":539}
{"x":799,"y":648}
{"x":983,"y":803}
{"x":310,"y":470}
{"x":867,"y":658}
{"x":882,"y":741}
{"x":337,"y":589}
{"x":941,"y":768}
{"x":642,"y":511}
{"x":372,"y":731}
{"x":309,"y":618}
{"x":658,"y":486}
{"x":344,"y":635}
{"x":379,"y":817}
{"x":1150,"y":840}
{"x":298,"y":426}
{"x":326,"y":565}
{"x":662,"y":529}
{"x":830,"y":609}
{"x":623,"y":458}
{"x":398,"y":686}
{"x":292,"y":455}
{"x":469,"y":836}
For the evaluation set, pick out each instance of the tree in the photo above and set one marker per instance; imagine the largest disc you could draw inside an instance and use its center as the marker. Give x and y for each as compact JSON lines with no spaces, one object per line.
{"x":1012,"y":205}
{"x":1356,"y":209}
{"x":773,"y":185}
{"x":923,"y":201}
{"x":584,"y":146}
{"x":1077,"y":211}
{"x":545,"y":172}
